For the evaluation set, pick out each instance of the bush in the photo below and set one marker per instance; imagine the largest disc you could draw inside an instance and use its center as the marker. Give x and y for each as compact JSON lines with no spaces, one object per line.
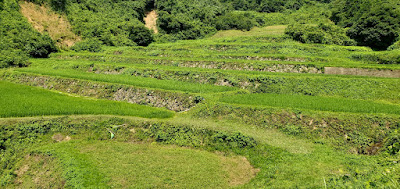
{"x":40,"y":46}
{"x":322,"y":33}
{"x":392,"y":143}
{"x":264,"y":5}
{"x":141,"y":35}
{"x":395,"y":46}
{"x":13,"y":57}
{"x":235,"y":20}
{"x":91,"y":45}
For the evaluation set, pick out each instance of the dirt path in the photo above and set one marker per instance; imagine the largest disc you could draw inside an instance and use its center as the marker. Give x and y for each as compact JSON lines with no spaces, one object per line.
{"x":151,"y":20}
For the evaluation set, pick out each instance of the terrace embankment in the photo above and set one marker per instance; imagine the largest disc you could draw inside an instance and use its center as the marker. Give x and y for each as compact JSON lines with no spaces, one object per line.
{"x":158,"y":98}
{"x":223,"y":65}
{"x":262,"y":64}
{"x":362,"y":72}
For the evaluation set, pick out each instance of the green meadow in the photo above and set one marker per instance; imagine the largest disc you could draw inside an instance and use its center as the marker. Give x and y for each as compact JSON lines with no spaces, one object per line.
{"x":317,"y":103}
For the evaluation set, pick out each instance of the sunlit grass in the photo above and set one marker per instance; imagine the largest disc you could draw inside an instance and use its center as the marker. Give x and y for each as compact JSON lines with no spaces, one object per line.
{"x":317,"y":103}
{"x":20,"y":101}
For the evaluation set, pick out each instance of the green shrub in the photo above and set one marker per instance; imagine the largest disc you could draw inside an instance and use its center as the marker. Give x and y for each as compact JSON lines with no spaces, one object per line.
{"x":392,"y":143}
{"x":395,"y":46}
{"x":322,"y":33}
{"x":13,"y":57}
{"x":91,"y":45}
{"x":140,"y":35}
{"x":188,"y":19}
{"x":236,"y":20}
{"x":40,"y":46}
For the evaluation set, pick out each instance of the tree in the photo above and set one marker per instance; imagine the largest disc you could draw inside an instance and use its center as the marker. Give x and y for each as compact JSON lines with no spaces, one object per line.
{"x":373,"y":23}
{"x":377,"y":29}
{"x":140,"y":35}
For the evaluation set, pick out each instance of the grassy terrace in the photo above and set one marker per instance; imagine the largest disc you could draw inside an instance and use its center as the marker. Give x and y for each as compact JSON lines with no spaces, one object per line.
{"x":248,"y":122}
{"x":148,"y":166}
{"x":316,"y":103}
{"x":240,"y":54}
{"x":25,"y":101}
{"x":261,"y":45}
{"x":355,"y":87}
{"x":132,"y":80}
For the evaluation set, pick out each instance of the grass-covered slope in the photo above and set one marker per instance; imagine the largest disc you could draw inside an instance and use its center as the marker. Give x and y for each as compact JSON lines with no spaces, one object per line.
{"x":313,"y":103}
{"x":254,"y":109}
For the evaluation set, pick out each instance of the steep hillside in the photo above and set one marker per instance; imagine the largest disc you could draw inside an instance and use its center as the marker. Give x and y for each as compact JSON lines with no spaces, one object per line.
{"x":47,"y":21}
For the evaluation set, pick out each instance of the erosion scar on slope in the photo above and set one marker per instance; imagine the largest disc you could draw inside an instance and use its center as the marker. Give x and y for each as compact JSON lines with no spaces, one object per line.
{"x":151,"y":20}
{"x":46,"y":21}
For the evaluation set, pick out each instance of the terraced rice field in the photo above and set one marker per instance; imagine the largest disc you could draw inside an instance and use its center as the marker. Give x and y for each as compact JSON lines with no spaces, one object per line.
{"x":254,"y":95}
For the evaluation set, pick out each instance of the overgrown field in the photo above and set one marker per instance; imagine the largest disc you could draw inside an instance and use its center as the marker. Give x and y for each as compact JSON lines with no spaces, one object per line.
{"x":252,"y":109}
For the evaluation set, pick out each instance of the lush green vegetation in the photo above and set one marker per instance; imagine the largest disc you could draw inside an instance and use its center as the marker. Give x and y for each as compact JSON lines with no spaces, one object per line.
{"x":78,"y":156}
{"x":313,"y":103}
{"x":257,"y":105}
{"x":18,"y":40}
{"x":373,"y":23}
{"x":29,"y":101}
{"x":323,"y":33}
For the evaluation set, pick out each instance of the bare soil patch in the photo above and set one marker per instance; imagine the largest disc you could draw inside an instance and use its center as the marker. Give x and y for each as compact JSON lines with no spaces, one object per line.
{"x":44,"y":20}
{"x":151,"y":20}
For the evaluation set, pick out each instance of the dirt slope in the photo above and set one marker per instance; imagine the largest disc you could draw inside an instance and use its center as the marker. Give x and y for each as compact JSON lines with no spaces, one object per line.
{"x":151,"y":20}
{"x":47,"y":21}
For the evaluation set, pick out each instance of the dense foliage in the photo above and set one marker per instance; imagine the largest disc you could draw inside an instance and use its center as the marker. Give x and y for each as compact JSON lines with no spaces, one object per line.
{"x":18,"y":40}
{"x":236,"y":20}
{"x":188,"y":19}
{"x":322,"y":33}
{"x":373,"y":23}
{"x":90,"y":45}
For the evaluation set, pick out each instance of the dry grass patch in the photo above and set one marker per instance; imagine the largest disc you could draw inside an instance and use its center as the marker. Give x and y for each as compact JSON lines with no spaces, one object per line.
{"x":44,"y":20}
{"x":256,"y":31}
{"x":239,"y":169}
{"x":39,"y":171}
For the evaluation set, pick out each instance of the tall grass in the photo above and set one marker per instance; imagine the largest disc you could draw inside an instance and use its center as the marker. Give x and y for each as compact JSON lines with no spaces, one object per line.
{"x":317,"y":103}
{"x":19,"y":101}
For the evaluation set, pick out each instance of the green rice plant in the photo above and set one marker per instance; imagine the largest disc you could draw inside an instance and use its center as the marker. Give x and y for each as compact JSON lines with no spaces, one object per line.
{"x":21,"y":101}
{"x":317,"y":103}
